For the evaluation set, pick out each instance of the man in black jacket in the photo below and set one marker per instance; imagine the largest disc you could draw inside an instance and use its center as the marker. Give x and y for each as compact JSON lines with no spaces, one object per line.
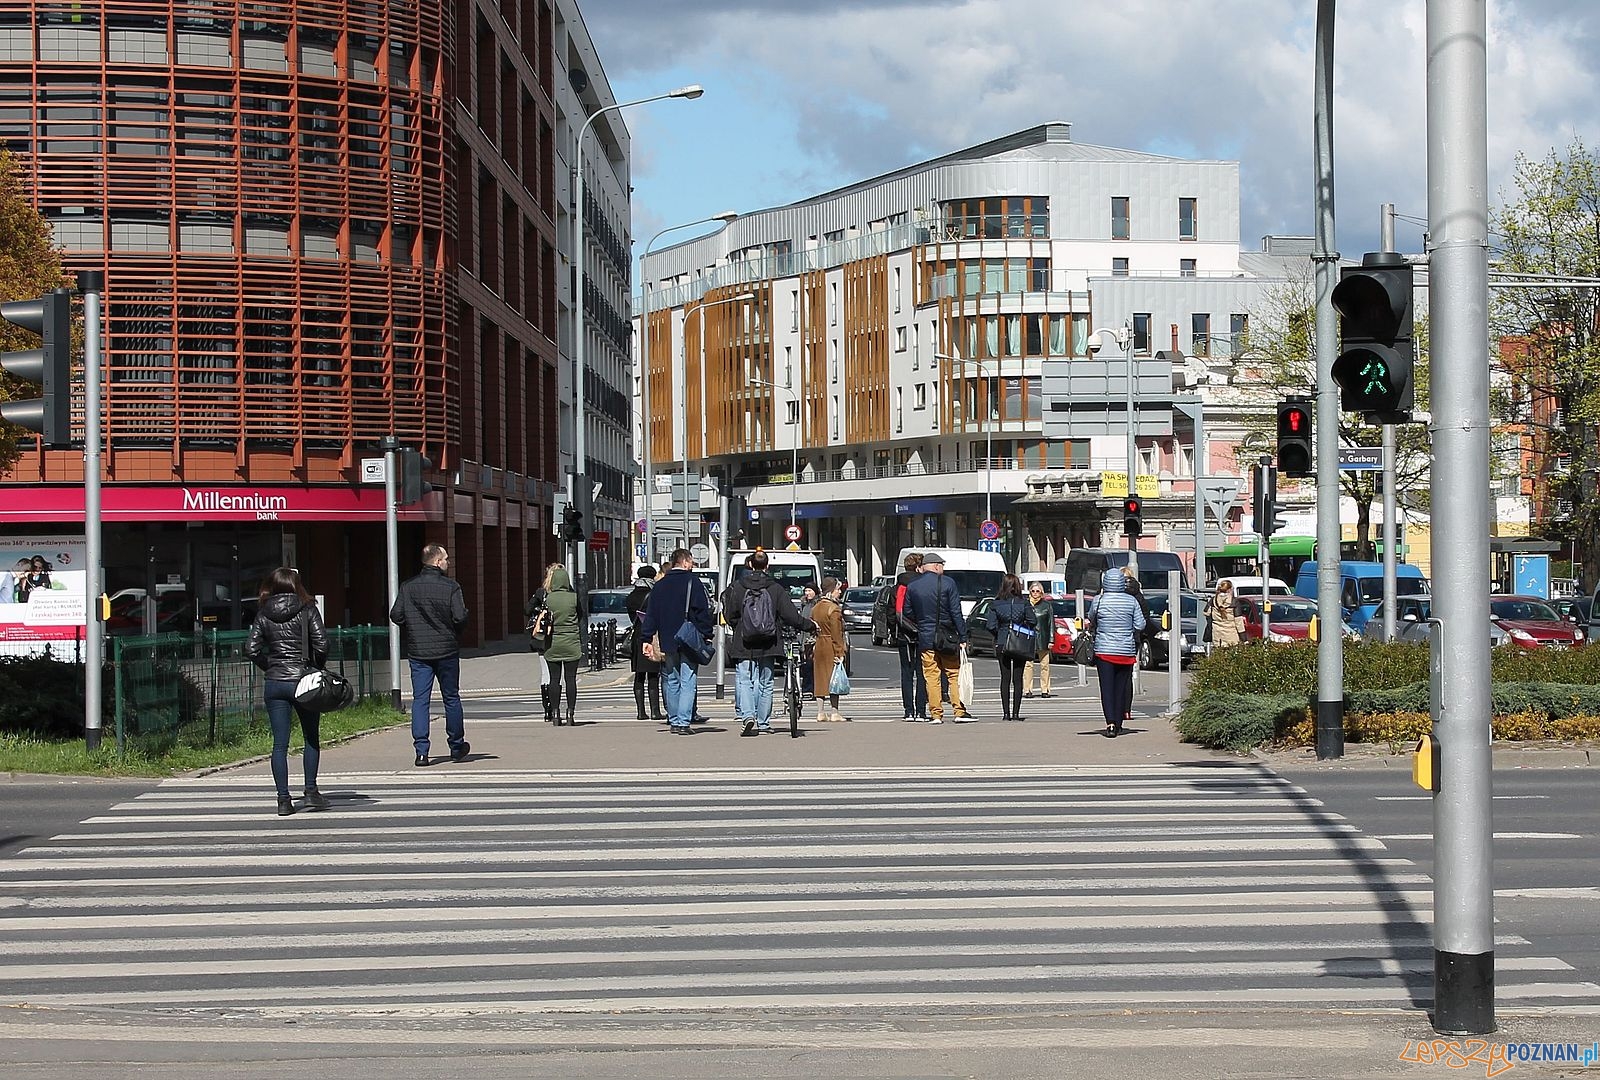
{"x":431,"y":613}
{"x":753,"y":652}
{"x":887,"y":611}
{"x":677,"y":598}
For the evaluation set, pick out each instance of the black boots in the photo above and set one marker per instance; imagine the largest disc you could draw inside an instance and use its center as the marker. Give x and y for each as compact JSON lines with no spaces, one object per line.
{"x":285,"y":806}
{"x":316,"y":800}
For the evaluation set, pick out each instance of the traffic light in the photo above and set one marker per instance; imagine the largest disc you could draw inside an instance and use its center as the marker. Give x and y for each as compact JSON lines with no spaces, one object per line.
{"x":1376,"y":353}
{"x":1132,"y":522}
{"x":572,"y":525}
{"x":412,"y":486}
{"x":49,"y":366}
{"x":1264,"y":478}
{"x":1294,"y":436}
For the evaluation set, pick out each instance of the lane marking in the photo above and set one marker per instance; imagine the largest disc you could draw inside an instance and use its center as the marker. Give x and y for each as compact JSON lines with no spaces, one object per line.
{"x":1497,"y":836}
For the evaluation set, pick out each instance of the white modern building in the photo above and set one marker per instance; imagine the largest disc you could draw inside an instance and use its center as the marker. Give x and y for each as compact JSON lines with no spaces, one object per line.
{"x":871,"y":356}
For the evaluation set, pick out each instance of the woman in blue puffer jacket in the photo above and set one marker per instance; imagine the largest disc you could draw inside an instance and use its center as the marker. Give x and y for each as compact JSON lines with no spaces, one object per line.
{"x":1118,"y":620}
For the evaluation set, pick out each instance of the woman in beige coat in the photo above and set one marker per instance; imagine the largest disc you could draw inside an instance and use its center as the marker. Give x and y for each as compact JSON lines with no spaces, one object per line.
{"x":831,"y":645}
{"x":1224,"y":616}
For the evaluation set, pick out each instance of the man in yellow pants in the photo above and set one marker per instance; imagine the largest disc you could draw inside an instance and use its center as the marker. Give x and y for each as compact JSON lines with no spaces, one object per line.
{"x":935,"y":604}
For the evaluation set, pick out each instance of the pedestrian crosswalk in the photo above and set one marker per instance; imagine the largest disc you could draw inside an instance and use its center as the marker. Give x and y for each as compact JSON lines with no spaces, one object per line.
{"x":726,"y":889}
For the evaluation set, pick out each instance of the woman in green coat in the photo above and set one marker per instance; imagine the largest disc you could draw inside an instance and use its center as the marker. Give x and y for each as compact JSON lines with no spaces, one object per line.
{"x":566,"y":643}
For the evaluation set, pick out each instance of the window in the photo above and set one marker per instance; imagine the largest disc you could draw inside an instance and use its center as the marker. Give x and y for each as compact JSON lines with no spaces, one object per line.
{"x":897,"y":291}
{"x":1141,"y":333}
{"x":794,"y":311}
{"x":833,"y":303}
{"x":900,"y":339}
{"x":1119,"y":267}
{"x":836,"y":416}
{"x":1119,"y":217}
{"x":1186,"y":268}
{"x":921,"y":398}
{"x":1238,"y":331}
{"x":1186,"y":219}
{"x":1200,"y":334}
{"x":792,"y":411}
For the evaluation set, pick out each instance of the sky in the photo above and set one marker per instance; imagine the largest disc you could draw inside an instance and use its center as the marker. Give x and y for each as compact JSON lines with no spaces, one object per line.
{"x":803,"y":96}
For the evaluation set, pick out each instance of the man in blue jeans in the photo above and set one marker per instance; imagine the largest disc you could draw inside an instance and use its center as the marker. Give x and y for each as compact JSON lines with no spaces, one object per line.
{"x":754,"y":649}
{"x":431,"y":613}
{"x":676,"y":599}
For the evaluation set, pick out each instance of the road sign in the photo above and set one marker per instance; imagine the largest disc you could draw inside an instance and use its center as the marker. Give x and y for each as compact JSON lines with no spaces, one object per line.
{"x":641,"y":552}
{"x":599,"y":540}
{"x":793,"y":533}
{"x":642,"y":525}
{"x":989,"y":545}
{"x":1360,"y":458}
{"x":1532,"y":575}
{"x":685,"y":493}
{"x":374,"y":470}
{"x":989,"y":530}
{"x":1220,"y":493}
{"x":700,"y":553}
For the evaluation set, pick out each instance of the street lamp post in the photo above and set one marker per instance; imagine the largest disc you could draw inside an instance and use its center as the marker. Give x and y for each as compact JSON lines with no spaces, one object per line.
{"x":580,"y":449}
{"x":725,"y":217}
{"x":988,"y":432}
{"x":799,"y":416}
{"x":704,"y":427}
{"x":1124,"y":339}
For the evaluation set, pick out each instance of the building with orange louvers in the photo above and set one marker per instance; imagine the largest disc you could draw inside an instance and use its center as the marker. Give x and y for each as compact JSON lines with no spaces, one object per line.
{"x":320,"y":223}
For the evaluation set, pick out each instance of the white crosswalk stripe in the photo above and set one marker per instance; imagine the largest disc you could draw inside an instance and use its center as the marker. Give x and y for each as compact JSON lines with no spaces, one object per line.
{"x":725,"y":888}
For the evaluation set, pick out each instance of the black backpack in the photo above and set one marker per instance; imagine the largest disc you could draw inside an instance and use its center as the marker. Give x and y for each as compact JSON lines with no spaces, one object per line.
{"x":758,"y":618}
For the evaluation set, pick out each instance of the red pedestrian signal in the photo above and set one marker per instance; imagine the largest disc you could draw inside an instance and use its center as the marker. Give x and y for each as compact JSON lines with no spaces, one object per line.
{"x":1132,"y":511}
{"x":1294,"y":437}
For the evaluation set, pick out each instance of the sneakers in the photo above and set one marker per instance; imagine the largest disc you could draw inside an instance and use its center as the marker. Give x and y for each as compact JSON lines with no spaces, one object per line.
{"x":965,"y":718}
{"x":422,"y":761}
{"x":763,"y":729}
{"x":459,"y":753}
{"x":749,"y":730}
{"x":1030,"y":694}
{"x":929,"y":720}
{"x":682,"y":729}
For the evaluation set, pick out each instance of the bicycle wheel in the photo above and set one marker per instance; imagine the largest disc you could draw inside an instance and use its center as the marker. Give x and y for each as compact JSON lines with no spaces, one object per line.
{"x":792,"y":697}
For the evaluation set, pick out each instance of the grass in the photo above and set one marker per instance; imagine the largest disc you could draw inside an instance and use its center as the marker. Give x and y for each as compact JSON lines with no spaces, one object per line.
{"x":147,"y":757}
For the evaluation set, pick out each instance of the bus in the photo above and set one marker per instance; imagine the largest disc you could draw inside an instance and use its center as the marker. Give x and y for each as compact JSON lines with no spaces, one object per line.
{"x":1285,"y":554}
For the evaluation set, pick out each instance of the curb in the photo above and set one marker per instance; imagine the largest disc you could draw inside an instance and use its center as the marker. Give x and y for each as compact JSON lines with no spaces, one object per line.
{"x":1503,"y":757}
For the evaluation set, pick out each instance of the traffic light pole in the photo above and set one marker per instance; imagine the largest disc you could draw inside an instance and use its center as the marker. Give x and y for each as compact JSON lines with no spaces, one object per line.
{"x":92,"y":283}
{"x":1330,"y":644}
{"x":391,"y":533}
{"x":1391,"y":541}
{"x":1458,"y":182}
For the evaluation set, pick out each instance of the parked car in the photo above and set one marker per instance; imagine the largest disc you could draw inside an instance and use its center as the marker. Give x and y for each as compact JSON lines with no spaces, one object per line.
{"x":858,"y":609}
{"x":1574,"y":609}
{"x":1412,"y":626}
{"x":1532,"y":623}
{"x":1066,"y":615}
{"x":1251,"y":586}
{"x":1289,"y":619}
{"x":611,"y":606}
{"x":1155,"y":650}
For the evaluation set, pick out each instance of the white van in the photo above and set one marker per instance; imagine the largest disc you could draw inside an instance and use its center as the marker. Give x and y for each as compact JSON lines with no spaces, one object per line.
{"x":977,"y":574}
{"x":1251,"y":586}
{"x":792,"y":569}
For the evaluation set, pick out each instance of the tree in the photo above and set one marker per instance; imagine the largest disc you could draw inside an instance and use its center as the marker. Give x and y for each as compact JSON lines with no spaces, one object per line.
{"x":1280,"y":359}
{"x":30,"y":264}
{"x":1551,"y":230}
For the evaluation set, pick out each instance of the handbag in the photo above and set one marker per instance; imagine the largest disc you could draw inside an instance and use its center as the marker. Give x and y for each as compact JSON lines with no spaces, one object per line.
{"x":1020,"y":643}
{"x":839,"y":683}
{"x":320,"y":690}
{"x":688,"y":639}
{"x":964,"y":681}
{"x":1083,"y":646}
{"x":541,"y":631}
{"x":945,"y":639}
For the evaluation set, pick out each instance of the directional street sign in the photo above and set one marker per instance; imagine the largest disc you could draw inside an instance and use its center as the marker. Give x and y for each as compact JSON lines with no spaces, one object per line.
{"x":1531,"y":575}
{"x":989,"y":545}
{"x":1360,"y":458}
{"x":1220,"y":493}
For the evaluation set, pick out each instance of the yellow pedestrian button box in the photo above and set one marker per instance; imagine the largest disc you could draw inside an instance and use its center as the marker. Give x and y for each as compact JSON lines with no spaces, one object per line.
{"x":1425,"y":764}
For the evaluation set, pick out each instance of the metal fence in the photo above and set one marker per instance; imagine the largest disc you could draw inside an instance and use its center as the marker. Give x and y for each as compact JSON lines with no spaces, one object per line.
{"x":202,"y":687}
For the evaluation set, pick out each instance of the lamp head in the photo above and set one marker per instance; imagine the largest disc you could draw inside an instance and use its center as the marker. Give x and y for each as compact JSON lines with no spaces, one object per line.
{"x":726,"y":216}
{"x":691,"y":91}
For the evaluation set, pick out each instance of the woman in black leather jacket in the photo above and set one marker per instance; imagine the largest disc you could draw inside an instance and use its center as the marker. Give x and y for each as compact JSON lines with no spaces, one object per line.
{"x":286,"y":641}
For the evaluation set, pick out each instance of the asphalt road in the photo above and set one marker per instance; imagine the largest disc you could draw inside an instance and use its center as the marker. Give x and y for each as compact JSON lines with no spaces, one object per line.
{"x":35,"y":808}
{"x":1546,"y":851}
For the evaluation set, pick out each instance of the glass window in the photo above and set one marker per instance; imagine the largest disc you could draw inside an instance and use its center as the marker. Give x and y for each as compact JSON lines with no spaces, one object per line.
{"x":1011,"y":345}
{"x":1119,"y":217}
{"x":1186,"y":212}
{"x":1119,"y":267}
{"x":1078,"y":449}
{"x":1036,"y":331}
{"x":1058,"y":335}
{"x":1186,"y":267}
{"x":1055,"y":455}
{"x":1200,"y":333}
{"x":1080,"y":334}
{"x":1141,"y":333}
{"x":1238,"y":330}
{"x":994,"y":280}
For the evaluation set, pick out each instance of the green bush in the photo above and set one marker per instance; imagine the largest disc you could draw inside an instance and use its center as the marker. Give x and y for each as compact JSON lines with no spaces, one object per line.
{"x":42,"y":696}
{"x":1239,"y":722}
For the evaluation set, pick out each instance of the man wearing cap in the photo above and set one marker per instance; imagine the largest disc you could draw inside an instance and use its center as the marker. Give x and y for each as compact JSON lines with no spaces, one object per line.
{"x":935,"y":604}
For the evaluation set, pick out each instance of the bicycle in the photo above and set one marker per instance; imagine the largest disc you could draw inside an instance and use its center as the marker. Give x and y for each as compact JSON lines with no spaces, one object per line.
{"x":791,"y":681}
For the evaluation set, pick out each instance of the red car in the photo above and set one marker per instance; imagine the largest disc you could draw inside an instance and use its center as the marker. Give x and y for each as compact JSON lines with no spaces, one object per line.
{"x":1065,"y":609}
{"x":1532,"y":623}
{"x":1289,"y":620}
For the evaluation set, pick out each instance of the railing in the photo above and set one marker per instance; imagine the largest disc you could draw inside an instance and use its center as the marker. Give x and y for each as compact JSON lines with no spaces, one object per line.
{"x":890,"y":472}
{"x":202,"y":687}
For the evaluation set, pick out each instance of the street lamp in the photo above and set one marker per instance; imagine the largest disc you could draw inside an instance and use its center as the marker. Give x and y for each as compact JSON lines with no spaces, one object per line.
{"x":988,"y":430}
{"x":1124,"y":339}
{"x":799,"y":416}
{"x":580,"y":449}
{"x":726,"y":217}
{"x":704,"y":427}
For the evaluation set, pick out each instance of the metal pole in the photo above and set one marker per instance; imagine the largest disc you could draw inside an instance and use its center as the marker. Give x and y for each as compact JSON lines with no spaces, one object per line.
{"x":580,"y":421}
{"x":1083,"y":614}
{"x":1174,"y":640}
{"x":721,"y":555}
{"x":644,"y":414}
{"x":391,"y":535}
{"x":794,"y":468}
{"x":988,"y":429}
{"x":1202,"y":464}
{"x":1463,"y":858}
{"x":1133,"y":464}
{"x":91,"y":283}
{"x":1330,"y":645}
{"x":1390,"y":555}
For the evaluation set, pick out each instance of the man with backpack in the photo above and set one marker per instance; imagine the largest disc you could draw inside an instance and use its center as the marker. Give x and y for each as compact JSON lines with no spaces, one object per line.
{"x":754,"y":607}
{"x":890,"y":611}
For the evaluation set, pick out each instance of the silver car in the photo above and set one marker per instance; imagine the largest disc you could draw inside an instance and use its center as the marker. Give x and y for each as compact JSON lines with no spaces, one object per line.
{"x":611,"y":606}
{"x":1411,"y":624}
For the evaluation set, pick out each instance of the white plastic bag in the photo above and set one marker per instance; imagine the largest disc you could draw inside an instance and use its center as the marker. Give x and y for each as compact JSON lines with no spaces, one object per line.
{"x":544,"y":671}
{"x":964,"y":681}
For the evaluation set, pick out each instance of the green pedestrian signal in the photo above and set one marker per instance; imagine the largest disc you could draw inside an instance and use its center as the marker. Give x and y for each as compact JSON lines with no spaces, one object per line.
{"x":1376,"y":353}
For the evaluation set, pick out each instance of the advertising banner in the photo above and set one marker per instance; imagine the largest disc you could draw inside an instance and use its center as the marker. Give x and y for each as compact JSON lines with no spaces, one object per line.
{"x":43,"y":581}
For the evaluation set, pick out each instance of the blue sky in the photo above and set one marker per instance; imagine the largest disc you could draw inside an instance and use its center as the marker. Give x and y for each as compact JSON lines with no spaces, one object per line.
{"x":807,"y":95}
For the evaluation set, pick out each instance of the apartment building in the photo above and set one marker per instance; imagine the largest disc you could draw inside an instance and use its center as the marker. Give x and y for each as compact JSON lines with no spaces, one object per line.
{"x":872,"y":356}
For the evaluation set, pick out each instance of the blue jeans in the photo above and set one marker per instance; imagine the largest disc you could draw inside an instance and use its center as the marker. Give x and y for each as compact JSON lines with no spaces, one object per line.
{"x":281,"y":711}
{"x":678,"y":677}
{"x":752,"y":690}
{"x":447,"y":670}
{"x":913,"y":688}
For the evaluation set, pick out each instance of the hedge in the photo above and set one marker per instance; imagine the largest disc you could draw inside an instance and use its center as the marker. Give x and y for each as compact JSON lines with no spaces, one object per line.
{"x":41,"y":696}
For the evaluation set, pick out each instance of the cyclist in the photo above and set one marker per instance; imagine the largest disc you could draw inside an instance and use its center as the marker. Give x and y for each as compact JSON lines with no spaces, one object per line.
{"x":755,"y":597}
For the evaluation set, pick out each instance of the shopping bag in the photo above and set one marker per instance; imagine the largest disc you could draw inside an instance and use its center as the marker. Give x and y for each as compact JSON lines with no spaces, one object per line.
{"x":544,"y":671}
{"x":964,"y":681}
{"x":839,"y":683}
